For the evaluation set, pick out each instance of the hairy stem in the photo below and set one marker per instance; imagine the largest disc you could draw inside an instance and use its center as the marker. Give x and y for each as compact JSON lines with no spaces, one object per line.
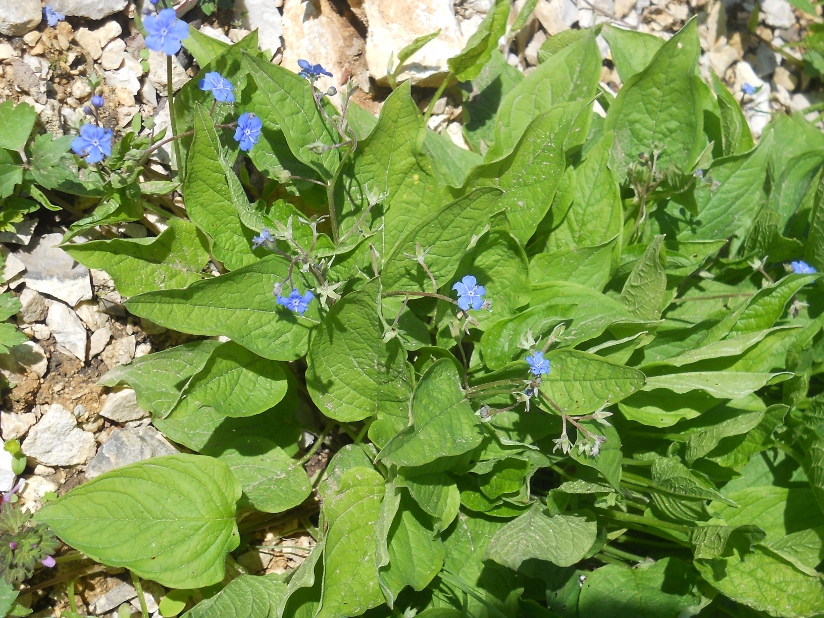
{"x":144,"y":611}
{"x":170,"y":93}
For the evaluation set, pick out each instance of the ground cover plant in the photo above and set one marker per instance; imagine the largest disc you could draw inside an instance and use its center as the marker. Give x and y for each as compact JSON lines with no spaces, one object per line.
{"x":574,"y":372}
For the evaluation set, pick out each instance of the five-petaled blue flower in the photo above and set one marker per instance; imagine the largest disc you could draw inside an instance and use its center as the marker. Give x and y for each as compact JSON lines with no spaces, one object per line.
{"x":748,"y":89}
{"x":97,"y":100}
{"x":248,"y":130}
{"x":470,"y":294}
{"x":94,"y":143}
{"x":265,"y":237}
{"x":802,"y":268}
{"x":538,"y":365}
{"x":165,"y":32}
{"x":296,"y":301}
{"x":52,"y":16}
{"x":219,"y":86}
{"x":310,"y":71}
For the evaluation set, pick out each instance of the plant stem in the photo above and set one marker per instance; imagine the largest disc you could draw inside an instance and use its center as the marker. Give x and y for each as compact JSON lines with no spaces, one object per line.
{"x":70,"y":592}
{"x":318,"y":442}
{"x":645,"y":521}
{"x":144,"y":611}
{"x":435,"y":97}
{"x":416,"y":293}
{"x":170,"y":97}
{"x":619,"y":553}
{"x":711,"y":297}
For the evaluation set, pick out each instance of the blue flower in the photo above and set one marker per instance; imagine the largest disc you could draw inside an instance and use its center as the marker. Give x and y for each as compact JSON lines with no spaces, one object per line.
{"x":165,"y":32}
{"x":154,"y":1}
{"x":296,"y":301}
{"x":470,"y":294}
{"x":97,"y":100}
{"x":219,"y":86}
{"x":52,"y":16}
{"x":748,"y":89}
{"x":94,"y":143}
{"x":248,"y":131}
{"x":265,"y":237}
{"x":802,"y":268}
{"x":538,"y":365}
{"x":311,"y":71}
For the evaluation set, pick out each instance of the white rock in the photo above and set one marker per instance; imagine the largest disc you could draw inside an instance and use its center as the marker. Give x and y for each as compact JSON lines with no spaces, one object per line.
{"x":28,"y":356}
{"x":313,"y":34}
{"x":766,"y":61}
{"x":121,"y":406}
{"x":15,"y":426}
{"x":556,"y":15}
{"x":98,"y":341}
{"x":112,"y":599}
{"x":148,"y":93}
{"x":93,"y":9}
{"x":33,"y":306}
{"x":393,"y":25}
{"x":17,"y":17}
{"x":80,"y":89}
{"x":128,"y":445}
{"x":56,"y":440}
{"x":124,"y":77}
{"x":6,"y":51}
{"x":778,"y":13}
{"x":34,"y":488}
{"x":23,"y":231}
{"x":263,"y":16}
{"x":157,"y":72}
{"x":41,"y":332}
{"x":13,"y":266}
{"x":142,"y":350}
{"x":89,"y":311}
{"x":531,"y":51}
{"x":218,"y":34}
{"x":111,"y":61}
{"x":90,"y":42}
{"x":67,"y":329}
{"x":108,"y":32}
{"x":52,"y":271}
{"x":119,"y":352}
{"x":7,"y":475}
{"x":455,"y":132}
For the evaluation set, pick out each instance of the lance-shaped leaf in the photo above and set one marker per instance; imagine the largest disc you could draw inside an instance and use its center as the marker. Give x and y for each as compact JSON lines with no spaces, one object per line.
{"x":468,"y":64}
{"x":645,"y":288}
{"x":169,"y":519}
{"x":443,"y":423}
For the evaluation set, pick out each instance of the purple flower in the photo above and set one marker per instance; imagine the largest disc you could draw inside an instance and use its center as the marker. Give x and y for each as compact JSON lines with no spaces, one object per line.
{"x":94,"y":143}
{"x":165,"y":32}
{"x":52,"y":16}
{"x":311,"y":71}
{"x":248,"y":131}
{"x":219,"y":86}
{"x":49,"y":562}
{"x":470,"y":294}
{"x":97,"y":100}
{"x":296,"y":302}
{"x":538,"y":365}
{"x":265,"y":237}
{"x":748,"y":89}
{"x":802,"y":268}
{"x":7,"y":496}
{"x":12,"y":546}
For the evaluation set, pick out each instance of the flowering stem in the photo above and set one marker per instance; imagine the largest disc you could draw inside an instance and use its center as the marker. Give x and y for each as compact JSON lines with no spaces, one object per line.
{"x":416,"y":293}
{"x":144,"y":159}
{"x":508,"y":384}
{"x":436,"y":96}
{"x":170,"y":95}
{"x":645,"y":521}
{"x":711,"y":297}
{"x":144,"y":611}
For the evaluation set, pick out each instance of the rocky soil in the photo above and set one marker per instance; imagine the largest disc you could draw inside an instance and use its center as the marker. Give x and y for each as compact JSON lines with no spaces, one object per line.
{"x":71,"y":429}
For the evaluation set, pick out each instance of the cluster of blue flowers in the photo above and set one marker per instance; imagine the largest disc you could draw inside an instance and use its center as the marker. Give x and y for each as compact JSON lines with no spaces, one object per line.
{"x":802,"y":268}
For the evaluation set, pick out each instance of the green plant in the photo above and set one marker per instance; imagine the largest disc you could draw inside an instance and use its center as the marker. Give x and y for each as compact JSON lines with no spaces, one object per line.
{"x":577,"y":375}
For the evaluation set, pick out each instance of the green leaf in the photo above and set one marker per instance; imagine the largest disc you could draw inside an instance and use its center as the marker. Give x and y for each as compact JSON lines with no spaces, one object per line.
{"x":735,"y":452}
{"x":735,"y":132}
{"x":608,"y":461}
{"x":272,"y":481}
{"x":443,"y":423}
{"x":234,"y":382}
{"x":674,"y":121}
{"x":159,"y":378}
{"x":569,"y":76}
{"x":765,"y":583}
{"x":352,"y":374}
{"x":248,"y":595}
{"x":436,"y":493}
{"x":7,"y":594}
{"x":168,"y":519}
{"x":283,"y":100}
{"x":778,"y":511}
{"x":10,"y":176}
{"x":712,"y":541}
{"x":561,"y":539}
{"x":172,"y":260}
{"x":447,"y":234}
{"x":664,"y":589}
{"x":658,"y":408}
{"x":410,"y":50}
{"x":720,"y":384}
{"x":588,"y":266}
{"x":631,"y":51}
{"x":50,"y":166}
{"x":731,"y":420}
{"x":450,"y":162}
{"x":203,"y":48}
{"x":529,"y":176}
{"x":466,"y":543}
{"x":350,"y":579}
{"x":803,"y":549}
{"x":16,"y":123}
{"x":646,"y":287}
{"x":208,"y":190}
{"x":239,"y":305}
{"x":581,"y":383}
{"x":468,"y":64}
{"x":494,"y":81}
